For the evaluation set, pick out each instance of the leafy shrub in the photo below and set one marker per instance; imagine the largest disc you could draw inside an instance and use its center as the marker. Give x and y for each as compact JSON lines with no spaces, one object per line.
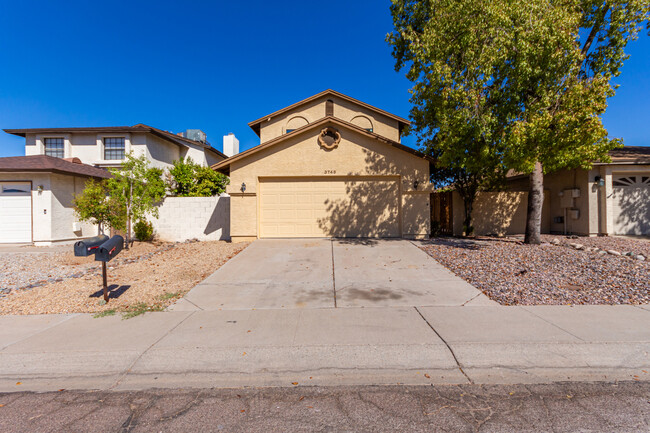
{"x":189,"y":179}
{"x":143,"y":230}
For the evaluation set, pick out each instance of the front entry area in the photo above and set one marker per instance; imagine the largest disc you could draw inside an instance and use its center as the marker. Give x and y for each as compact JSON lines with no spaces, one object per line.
{"x":352,"y":206}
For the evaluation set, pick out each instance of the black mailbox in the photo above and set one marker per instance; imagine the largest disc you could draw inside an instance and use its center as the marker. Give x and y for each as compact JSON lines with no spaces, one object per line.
{"x":89,"y":246}
{"x":109,"y":249}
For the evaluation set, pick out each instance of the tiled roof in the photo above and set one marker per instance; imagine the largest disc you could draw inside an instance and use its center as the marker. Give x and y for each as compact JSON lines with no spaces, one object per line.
{"x":631,"y":154}
{"x":50,"y":164}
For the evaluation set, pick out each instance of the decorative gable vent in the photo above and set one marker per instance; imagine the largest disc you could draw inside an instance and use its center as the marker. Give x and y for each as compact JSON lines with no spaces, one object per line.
{"x":329,"y":108}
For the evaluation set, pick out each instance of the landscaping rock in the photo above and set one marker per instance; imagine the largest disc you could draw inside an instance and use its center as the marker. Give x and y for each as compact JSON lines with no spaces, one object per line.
{"x":640,"y":257}
{"x":555,"y":241}
{"x":613,"y":252}
{"x":513,"y":273}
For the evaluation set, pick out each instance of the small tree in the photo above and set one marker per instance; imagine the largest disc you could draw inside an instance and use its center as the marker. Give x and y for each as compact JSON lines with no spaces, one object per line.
{"x":96,"y":206}
{"x":189,"y":179}
{"x":138,"y":187}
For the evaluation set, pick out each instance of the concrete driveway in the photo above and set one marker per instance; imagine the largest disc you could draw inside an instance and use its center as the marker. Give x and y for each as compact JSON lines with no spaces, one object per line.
{"x":325,"y":273}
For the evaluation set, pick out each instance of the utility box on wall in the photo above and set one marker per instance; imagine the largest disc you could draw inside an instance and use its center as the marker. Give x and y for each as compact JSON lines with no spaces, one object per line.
{"x":567,"y":196}
{"x":574,"y":214}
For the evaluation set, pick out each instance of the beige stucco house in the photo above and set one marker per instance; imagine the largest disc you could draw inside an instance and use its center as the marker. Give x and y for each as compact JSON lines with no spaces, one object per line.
{"x":329,"y":165}
{"x":609,"y":199}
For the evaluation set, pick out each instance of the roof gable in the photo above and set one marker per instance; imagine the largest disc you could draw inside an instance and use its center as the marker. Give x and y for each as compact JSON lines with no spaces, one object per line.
{"x":255,"y":124}
{"x":224,"y":166}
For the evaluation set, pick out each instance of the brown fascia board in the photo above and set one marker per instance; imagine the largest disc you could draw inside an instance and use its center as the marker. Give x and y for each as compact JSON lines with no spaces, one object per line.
{"x":224,"y":166}
{"x":23,"y":132}
{"x":255,"y":124}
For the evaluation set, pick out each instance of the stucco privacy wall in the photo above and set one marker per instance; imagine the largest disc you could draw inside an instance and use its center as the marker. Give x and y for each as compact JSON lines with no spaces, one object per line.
{"x":356,"y":155}
{"x":343,"y":109}
{"x":498,"y":213}
{"x":202,"y":218}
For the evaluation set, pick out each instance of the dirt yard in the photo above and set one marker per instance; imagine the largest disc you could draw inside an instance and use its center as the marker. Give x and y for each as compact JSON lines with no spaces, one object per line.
{"x":512,"y":273}
{"x":148,"y":276}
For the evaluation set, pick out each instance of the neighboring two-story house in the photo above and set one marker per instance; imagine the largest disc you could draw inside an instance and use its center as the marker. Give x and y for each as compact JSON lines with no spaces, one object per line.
{"x":329,"y":165}
{"x":107,"y":146}
{"x":36,"y":190}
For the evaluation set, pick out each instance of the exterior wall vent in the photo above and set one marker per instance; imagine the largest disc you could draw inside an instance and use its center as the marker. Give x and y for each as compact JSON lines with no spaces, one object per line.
{"x":329,"y":108}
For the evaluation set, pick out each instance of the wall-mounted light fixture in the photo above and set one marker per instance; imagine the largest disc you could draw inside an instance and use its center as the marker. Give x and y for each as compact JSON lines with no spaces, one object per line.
{"x":243,"y":187}
{"x":39,"y":188}
{"x":415,"y":184}
{"x":599,"y":181}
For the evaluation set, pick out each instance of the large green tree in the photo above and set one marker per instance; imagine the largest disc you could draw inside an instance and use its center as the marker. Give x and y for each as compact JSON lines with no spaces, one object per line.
{"x":539,"y":73}
{"x":563,"y":57}
{"x":455,"y":113}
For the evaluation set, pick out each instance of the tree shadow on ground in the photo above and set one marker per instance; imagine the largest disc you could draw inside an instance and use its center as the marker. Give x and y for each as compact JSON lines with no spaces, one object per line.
{"x":466,"y":244}
{"x":114,"y":291}
{"x":370,"y":206}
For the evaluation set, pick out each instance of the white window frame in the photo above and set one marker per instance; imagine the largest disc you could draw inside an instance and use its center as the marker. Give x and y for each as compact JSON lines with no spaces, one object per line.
{"x":101,"y":148}
{"x":40,"y":143}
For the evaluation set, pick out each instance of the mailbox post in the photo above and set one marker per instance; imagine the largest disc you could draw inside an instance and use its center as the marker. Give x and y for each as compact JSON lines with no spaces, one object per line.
{"x":104,"y":249}
{"x":88,"y":247}
{"x":105,"y":253}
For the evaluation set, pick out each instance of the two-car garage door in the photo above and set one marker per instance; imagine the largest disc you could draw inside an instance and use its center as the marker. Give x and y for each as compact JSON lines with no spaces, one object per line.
{"x":353,"y":206}
{"x":15,"y":212}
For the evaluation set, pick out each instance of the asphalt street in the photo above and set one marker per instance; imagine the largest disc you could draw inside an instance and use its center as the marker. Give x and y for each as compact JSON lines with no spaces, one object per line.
{"x":560,"y":407}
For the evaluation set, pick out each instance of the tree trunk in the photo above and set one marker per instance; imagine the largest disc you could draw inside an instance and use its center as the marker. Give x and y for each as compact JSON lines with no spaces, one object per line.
{"x":468,"y":203}
{"x":128,"y":220}
{"x":535,"y":203}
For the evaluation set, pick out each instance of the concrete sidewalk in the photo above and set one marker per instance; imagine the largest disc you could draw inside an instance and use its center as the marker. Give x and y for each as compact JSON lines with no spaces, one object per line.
{"x":328,"y":346}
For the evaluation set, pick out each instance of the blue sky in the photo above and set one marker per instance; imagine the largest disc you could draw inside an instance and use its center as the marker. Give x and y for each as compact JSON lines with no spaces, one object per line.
{"x":217,"y":65}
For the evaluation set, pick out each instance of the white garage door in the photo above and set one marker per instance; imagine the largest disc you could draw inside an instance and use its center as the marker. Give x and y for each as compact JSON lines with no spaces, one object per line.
{"x":15,"y":212}
{"x":631,"y":204}
{"x":323,"y":207}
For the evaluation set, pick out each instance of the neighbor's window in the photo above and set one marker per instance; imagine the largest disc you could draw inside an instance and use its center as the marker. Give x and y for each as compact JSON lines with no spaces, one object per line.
{"x":54,"y":147}
{"x":114,"y":148}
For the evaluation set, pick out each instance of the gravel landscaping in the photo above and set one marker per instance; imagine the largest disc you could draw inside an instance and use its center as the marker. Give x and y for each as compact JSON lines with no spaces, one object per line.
{"x":148,"y":276}
{"x":588,"y":272}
